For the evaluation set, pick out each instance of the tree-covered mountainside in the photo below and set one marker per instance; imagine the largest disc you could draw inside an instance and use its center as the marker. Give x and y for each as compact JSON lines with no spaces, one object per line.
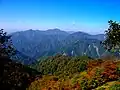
{"x":22,"y":58}
{"x":77,"y":73}
{"x":61,"y":73}
{"x":36,"y":43}
{"x":15,"y":76}
{"x":61,"y":65}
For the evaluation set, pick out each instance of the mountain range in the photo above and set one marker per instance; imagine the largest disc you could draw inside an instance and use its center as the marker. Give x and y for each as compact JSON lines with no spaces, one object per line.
{"x":36,"y":44}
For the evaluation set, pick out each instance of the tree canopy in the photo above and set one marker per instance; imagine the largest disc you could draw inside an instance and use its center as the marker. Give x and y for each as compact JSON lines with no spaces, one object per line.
{"x":112,"y":37}
{"x":6,"y":46}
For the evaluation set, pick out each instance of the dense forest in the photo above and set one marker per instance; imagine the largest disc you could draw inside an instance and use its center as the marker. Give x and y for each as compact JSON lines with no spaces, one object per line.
{"x":78,"y":73}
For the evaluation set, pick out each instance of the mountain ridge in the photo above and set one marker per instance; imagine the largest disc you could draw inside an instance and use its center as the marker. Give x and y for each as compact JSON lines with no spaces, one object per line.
{"x":36,"y":44}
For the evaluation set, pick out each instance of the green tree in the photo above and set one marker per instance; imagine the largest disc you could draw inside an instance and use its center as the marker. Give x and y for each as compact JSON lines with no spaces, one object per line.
{"x":112,"y":37}
{"x":6,"y":46}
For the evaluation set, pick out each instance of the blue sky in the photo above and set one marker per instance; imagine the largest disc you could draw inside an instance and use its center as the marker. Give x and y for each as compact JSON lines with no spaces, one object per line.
{"x":77,"y":15}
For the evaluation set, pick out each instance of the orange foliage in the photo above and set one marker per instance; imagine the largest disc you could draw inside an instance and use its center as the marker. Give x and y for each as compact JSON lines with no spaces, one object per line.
{"x":107,"y":71}
{"x":110,"y":70}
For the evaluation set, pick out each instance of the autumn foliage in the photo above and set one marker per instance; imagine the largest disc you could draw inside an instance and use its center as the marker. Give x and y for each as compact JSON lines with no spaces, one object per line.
{"x":97,"y":73}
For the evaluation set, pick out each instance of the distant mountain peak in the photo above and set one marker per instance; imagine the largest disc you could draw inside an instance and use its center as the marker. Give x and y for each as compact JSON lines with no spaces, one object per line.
{"x":79,"y":32}
{"x":71,"y":32}
{"x":55,"y":29}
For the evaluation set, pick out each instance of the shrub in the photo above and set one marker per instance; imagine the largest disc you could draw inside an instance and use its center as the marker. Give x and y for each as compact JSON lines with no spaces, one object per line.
{"x":118,"y":69}
{"x":101,"y":88}
{"x":84,"y":84}
{"x":115,"y":87}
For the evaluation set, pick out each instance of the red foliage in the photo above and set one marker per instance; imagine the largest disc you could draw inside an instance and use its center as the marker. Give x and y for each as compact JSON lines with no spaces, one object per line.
{"x":109,"y":69}
{"x":98,"y":72}
{"x":93,"y":64}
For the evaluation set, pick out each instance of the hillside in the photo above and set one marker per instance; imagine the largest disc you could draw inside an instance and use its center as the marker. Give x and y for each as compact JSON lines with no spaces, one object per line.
{"x":77,"y":73}
{"x":61,"y":73}
{"x":15,"y":76}
{"x":36,"y":43}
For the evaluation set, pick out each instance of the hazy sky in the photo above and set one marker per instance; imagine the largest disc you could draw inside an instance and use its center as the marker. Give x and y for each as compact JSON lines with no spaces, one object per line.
{"x":76,"y":15}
